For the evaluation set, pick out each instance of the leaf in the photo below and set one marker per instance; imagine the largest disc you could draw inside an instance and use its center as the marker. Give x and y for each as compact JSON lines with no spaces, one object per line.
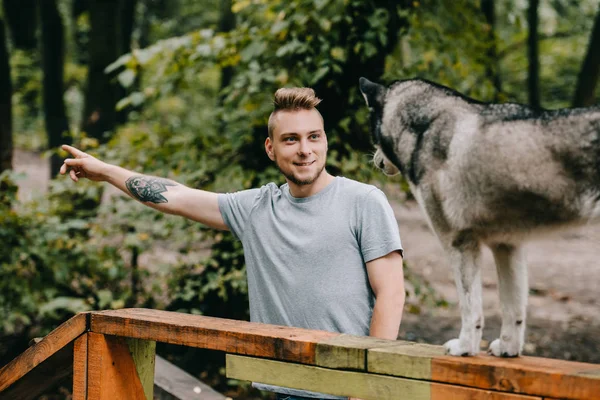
{"x":253,"y":51}
{"x":126,"y":78}
{"x":124,"y":59}
{"x":321,"y":72}
{"x":105,"y":297}
{"x":71,"y":304}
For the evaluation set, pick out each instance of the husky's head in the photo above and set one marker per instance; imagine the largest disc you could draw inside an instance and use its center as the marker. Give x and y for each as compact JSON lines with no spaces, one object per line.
{"x":374,"y":95}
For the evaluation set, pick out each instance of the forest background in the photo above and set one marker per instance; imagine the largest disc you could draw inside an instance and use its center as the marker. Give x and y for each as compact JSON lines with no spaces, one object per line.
{"x":182,"y":89}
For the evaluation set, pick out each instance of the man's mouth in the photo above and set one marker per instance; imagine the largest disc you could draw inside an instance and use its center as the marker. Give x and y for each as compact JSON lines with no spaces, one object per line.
{"x":304,"y":164}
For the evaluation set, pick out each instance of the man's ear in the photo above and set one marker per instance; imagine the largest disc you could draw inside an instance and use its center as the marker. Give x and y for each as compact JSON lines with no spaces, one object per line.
{"x":269,"y":148}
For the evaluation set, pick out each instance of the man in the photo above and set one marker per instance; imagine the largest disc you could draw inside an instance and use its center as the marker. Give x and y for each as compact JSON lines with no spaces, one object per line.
{"x":322,"y":252}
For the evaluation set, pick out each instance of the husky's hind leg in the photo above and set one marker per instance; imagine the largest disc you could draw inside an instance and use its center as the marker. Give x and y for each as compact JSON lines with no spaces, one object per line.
{"x":513,"y":290}
{"x":465,"y":254}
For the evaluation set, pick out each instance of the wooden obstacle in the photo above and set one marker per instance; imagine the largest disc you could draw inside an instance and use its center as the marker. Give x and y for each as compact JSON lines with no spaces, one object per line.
{"x":110,"y":355}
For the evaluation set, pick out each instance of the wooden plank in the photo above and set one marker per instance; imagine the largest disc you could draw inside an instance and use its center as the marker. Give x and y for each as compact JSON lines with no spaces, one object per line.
{"x":80,"y":361}
{"x":348,"y":351}
{"x":348,"y":383}
{"x":173,"y":383}
{"x":406,"y":359}
{"x":111,"y":370}
{"x":143,"y":355}
{"x":38,"y":353}
{"x":232,"y":336}
{"x":52,"y":372}
{"x":525,"y":375}
{"x":530,"y":375}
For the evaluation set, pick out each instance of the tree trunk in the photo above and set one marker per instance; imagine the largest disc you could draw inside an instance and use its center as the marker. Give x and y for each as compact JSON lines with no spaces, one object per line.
{"x":55,"y":116}
{"x":21,"y":19}
{"x":81,"y":55}
{"x":492,"y":68}
{"x":533,"y":54}
{"x":590,"y":70}
{"x":226,"y":24}
{"x":127,"y":15}
{"x":106,"y":44}
{"x":6,"y":143}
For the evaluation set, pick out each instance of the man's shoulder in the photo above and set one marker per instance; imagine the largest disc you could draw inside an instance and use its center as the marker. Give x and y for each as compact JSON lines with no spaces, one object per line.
{"x":356,"y":187}
{"x":267,"y":192}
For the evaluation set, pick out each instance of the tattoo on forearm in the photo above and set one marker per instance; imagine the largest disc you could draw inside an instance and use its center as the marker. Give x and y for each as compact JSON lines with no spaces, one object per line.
{"x":148,"y":188}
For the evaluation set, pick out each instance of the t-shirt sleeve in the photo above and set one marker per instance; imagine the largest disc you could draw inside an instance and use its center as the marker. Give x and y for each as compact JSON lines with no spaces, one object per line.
{"x":235,"y":209}
{"x":378,"y":233}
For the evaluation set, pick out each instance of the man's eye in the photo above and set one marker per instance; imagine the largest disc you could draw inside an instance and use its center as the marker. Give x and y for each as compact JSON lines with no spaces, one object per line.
{"x":289,"y":139}
{"x":315,"y":136}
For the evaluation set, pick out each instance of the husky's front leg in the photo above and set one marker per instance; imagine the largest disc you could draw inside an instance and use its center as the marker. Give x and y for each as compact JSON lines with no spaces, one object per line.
{"x":513,"y":290}
{"x":465,"y":259}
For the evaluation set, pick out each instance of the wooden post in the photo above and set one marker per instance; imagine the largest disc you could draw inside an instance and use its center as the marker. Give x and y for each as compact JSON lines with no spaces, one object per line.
{"x":80,"y":356}
{"x":109,"y":367}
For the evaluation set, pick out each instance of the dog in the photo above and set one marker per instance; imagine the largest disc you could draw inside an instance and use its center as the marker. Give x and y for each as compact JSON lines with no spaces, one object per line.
{"x":487,"y":174}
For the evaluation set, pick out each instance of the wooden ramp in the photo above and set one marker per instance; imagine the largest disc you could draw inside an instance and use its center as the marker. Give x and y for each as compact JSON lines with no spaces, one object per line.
{"x":110,"y":354}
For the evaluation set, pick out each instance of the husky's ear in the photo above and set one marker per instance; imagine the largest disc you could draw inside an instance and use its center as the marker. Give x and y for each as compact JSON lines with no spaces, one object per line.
{"x":372,"y":92}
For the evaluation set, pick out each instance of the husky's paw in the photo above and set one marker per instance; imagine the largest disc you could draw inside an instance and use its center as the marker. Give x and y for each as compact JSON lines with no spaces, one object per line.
{"x":500,"y":348}
{"x":455,"y":347}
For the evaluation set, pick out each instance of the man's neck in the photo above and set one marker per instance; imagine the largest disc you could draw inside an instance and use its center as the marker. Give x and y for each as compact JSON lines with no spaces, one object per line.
{"x":319,"y":184}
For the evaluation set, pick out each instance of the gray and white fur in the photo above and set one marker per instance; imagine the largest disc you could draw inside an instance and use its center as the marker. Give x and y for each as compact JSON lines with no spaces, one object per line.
{"x":487,"y":174}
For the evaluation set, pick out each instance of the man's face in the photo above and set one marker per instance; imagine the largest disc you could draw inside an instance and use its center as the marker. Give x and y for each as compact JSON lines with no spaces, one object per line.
{"x":298,"y":146}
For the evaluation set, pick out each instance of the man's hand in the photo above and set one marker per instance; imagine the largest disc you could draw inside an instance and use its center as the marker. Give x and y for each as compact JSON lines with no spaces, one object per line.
{"x":83,"y":165}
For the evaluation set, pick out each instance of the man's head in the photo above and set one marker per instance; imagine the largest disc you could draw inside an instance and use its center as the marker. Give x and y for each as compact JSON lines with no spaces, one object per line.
{"x":297,"y":141}
{"x":292,"y":99}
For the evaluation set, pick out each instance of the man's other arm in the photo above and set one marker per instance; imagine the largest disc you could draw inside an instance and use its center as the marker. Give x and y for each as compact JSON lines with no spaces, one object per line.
{"x":387,"y":281}
{"x":161,"y":194}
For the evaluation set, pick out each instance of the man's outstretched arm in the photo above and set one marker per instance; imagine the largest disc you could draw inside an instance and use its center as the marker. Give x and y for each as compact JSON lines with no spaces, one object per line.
{"x":161,"y":194}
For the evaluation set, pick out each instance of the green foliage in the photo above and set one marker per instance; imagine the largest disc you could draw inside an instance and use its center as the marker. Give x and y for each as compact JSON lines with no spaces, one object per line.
{"x":52,"y":264}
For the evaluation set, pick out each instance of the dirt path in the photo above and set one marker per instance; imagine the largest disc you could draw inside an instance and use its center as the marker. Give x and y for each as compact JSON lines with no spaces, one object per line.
{"x":564,"y":275}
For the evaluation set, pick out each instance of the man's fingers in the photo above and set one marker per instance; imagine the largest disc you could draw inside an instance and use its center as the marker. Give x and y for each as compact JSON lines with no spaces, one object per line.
{"x":73,"y":150}
{"x":63,"y":169}
{"x":74,"y":162}
{"x":73,"y":175}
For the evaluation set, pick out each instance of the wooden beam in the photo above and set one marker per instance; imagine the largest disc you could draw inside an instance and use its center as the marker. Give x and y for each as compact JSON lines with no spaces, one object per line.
{"x":40,"y":352}
{"x":80,"y":364}
{"x":143,"y":354}
{"x":547,"y":377}
{"x":112,"y":372}
{"x":355,"y":384}
{"x":525,"y":375}
{"x":232,"y":336}
{"x":348,"y":351}
{"x":407,"y":360}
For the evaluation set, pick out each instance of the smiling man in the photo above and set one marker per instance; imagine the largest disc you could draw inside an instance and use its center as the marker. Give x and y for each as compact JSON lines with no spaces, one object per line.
{"x":322,"y":252}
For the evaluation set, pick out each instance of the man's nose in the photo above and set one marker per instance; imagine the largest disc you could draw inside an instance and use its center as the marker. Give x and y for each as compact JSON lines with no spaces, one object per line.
{"x":304,"y":147}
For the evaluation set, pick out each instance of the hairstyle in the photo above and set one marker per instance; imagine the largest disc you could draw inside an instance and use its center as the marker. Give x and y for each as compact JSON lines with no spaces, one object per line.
{"x":292,"y":99}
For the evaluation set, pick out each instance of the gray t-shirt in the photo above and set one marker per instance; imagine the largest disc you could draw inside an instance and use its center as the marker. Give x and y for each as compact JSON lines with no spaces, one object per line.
{"x":305,"y":257}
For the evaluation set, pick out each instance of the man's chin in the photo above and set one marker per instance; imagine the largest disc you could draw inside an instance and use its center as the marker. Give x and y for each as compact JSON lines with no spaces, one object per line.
{"x":302,"y":182}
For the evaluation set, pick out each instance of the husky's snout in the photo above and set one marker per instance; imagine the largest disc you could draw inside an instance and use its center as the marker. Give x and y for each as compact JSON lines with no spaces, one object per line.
{"x":381,"y":162}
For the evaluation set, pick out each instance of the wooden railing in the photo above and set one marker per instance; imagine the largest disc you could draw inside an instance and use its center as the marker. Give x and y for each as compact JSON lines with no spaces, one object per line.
{"x":110,"y":355}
